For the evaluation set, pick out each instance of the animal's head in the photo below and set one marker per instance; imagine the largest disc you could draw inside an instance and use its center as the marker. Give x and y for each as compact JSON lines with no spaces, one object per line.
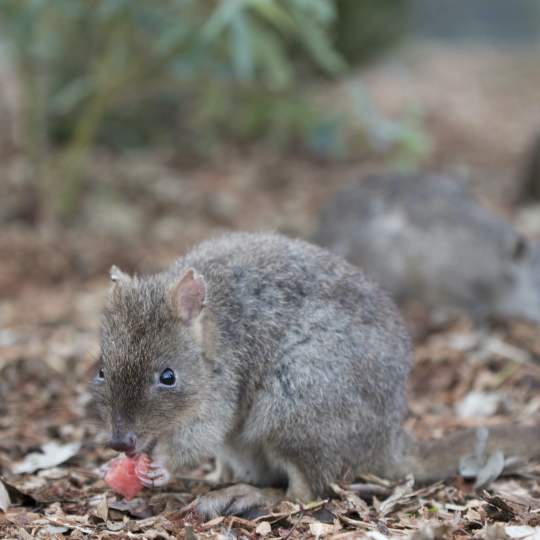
{"x":151,"y":367}
{"x":521,"y":294}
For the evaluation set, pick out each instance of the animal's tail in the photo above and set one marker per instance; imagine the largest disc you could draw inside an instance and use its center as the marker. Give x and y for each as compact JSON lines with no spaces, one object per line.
{"x":467,"y":451}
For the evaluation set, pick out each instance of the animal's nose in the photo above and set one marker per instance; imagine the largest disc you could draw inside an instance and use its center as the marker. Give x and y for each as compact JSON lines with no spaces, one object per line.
{"x":123,"y":442}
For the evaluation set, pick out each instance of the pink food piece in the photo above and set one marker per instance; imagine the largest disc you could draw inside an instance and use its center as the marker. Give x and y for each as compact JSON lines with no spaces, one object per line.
{"x":122,"y":478}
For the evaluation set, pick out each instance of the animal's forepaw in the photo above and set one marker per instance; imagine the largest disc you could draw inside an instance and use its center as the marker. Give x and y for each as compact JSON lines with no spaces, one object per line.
{"x":233,"y":500}
{"x":153,"y":474}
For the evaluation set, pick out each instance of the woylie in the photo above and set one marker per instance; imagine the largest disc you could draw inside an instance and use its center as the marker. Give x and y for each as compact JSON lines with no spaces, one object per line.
{"x":426,"y":238}
{"x":278,"y":358}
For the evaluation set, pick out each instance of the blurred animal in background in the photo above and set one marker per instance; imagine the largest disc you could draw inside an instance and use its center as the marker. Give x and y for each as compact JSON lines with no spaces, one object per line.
{"x":531,"y":173}
{"x":425,"y":238}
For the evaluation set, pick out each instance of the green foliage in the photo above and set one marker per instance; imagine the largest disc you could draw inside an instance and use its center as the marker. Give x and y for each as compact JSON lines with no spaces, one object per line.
{"x":128,"y":73}
{"x":84,"y":61}
{"x":117,"y":48}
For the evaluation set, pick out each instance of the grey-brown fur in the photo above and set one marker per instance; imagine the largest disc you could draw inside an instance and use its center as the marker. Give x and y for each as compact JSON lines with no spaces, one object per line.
{"x":308,"y":365}
{"x":426,"y":238}
{"x":292,"y":372}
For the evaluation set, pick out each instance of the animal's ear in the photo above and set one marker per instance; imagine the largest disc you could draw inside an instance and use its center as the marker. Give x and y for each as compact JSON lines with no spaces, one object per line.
{"x":117,"y":274}
{"x":188,"y":296}
{"x":117,"y":278}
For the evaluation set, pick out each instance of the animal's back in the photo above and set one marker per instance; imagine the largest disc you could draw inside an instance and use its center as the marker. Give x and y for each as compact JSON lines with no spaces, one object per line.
{"x":326,"y":351}
{"x":422,"y":237}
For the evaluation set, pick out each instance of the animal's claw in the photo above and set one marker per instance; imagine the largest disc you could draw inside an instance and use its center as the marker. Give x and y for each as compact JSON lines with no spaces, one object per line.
{"x":153,"y":475}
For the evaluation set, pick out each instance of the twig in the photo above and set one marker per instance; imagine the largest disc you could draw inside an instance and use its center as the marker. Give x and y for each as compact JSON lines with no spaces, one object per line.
{"x":274,"y":518}
{"x":295,"y":524}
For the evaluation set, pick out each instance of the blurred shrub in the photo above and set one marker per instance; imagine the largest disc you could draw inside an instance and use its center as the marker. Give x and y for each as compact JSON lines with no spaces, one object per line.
{"x":364,"y":28}
{"x":82,"y":60}
{"x":129,"y":73}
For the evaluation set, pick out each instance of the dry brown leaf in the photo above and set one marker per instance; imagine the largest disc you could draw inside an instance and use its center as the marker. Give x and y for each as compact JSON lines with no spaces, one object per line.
{"x":354,"y":502}
{"x":523,"y":532}
{"x":400,"y":493}
{"x":102,"y":509}
{"x":23,"y":535}
{"x":319,"y":529}
{"x":263,"y":528}
{"x":52,"y":454}
{"x":491,"y":470}
{"x":115,"y":526}
{"x":376,"y":535}
{"x":213,"y":522}
{"x":5,"y":500}
{"x":53,"y":530}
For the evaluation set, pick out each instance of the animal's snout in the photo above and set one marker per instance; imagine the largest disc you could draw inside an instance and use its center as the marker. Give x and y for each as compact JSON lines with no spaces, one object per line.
{"x":123,"y":442}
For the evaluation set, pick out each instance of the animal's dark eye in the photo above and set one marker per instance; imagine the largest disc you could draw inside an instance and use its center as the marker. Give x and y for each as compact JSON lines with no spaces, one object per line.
{"x":167,"y":377}
{"x":101,"y":374}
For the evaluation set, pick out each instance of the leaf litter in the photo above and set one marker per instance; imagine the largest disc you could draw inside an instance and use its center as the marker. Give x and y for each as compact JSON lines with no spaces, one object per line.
{"x":49,"y":465}
{"x":49,"y":335}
